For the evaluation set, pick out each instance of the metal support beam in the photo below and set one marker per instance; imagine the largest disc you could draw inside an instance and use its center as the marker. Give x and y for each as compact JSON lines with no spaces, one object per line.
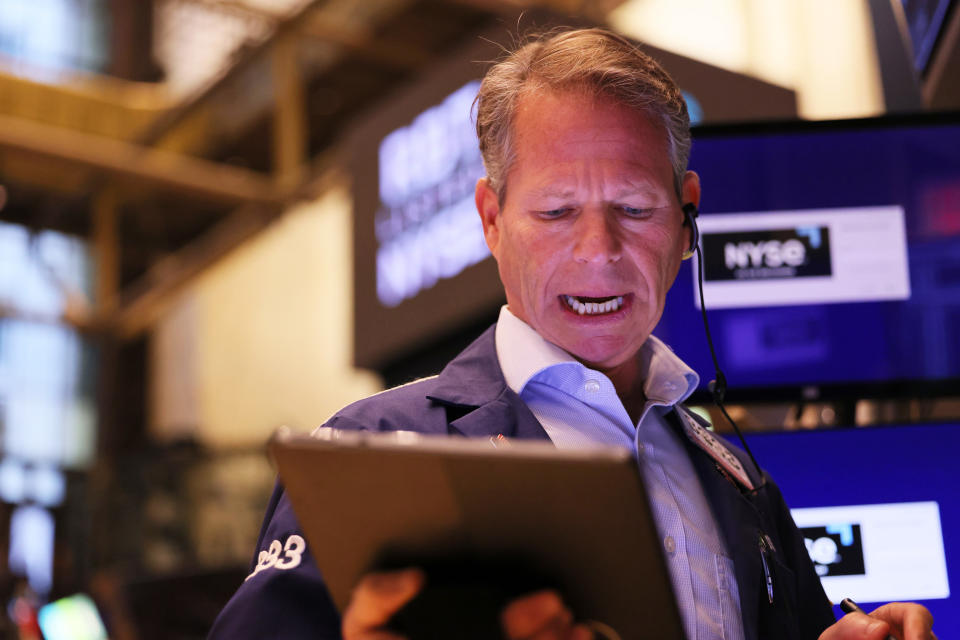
{"x":941,"y":91}
{"x":289,"y":114}
{"x":141,"y":164}
{"x":145,"y":301}
{"x":402,"y":58}
{"x":246,"y":58}
{"x":901,"y":85}
{"x":106,"y":249}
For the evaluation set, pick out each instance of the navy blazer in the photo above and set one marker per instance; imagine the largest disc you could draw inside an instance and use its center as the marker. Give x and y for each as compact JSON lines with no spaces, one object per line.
{"x":470,"y":398}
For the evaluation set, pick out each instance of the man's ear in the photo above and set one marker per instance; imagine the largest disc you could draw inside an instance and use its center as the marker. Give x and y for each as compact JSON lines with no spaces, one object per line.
{"x":690,"y":190}
{"x":689,"y":194}
{"x":488,"y":206}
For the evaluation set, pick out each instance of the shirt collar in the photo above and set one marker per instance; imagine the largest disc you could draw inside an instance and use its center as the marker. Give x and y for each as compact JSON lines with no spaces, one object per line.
{"x":524,"y":353}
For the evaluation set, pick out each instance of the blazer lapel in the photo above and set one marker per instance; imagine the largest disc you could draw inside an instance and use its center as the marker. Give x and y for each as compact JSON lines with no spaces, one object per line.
{"x":506,"y":415}
{"x":478,"y":401}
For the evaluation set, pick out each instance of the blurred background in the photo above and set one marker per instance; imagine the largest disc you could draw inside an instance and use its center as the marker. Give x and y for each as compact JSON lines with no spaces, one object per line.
{"x":222,"y":216}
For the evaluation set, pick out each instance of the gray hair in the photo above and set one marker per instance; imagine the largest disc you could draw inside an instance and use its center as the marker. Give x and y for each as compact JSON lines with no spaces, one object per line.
{"x":596,"y":60}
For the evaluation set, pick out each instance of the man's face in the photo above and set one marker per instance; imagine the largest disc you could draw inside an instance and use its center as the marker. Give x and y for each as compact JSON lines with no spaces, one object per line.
{"x":589,"y":237}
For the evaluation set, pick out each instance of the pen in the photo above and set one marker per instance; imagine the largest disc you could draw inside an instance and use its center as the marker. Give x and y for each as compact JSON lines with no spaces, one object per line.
{"x":766,"y":567}
{"x":849,"y":606}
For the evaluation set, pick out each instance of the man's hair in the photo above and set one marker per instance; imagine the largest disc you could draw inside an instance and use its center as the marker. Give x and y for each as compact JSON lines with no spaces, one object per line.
{"x":595,"y":60}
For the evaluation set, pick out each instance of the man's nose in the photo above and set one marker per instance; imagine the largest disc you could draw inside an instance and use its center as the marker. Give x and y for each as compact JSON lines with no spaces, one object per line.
{"x":597,"y":240}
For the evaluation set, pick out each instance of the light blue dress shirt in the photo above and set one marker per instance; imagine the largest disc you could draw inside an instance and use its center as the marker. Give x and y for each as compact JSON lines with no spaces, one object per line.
{"x":579,"y":407}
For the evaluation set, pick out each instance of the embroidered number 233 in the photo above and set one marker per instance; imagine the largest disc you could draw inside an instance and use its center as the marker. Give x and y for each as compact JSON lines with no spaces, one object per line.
{"x":292,"y":552}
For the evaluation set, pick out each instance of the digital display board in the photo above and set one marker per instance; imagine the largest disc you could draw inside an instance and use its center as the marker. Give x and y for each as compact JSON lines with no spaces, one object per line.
{"x":427,"y":226}
{"x":832,"y":260}
{"x":879,"y":509}
{"x":420,"y":259}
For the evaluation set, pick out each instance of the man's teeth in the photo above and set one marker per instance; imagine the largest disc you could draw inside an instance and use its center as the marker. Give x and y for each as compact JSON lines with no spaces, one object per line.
{"x":591,"y":308}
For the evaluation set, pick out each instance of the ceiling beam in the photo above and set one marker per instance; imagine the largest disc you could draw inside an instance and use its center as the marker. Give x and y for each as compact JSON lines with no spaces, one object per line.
{"x":145,"y":301}
{"x":80,"y":319}
{"x":141,"y":164}
{"x":401,"y":57}
{"x":245,"y":59}
{"x":290,"y":126}
{"x":106,"y":249}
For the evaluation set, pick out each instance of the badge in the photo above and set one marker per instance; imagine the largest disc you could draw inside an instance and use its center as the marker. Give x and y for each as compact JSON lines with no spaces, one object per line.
{"x":715,"y":449}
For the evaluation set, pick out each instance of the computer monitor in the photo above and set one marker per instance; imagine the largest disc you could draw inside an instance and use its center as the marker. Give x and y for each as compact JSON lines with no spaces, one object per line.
{"x":832,"y":259}
{"x":879,"y":509}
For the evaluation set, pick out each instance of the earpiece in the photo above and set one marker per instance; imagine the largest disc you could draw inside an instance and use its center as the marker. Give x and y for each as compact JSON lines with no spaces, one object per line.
{"x":690,"y":219}
{"x":718,"y":387}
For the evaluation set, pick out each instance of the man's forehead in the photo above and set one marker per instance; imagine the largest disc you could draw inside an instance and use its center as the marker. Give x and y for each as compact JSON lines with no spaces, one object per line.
{"x":625,"y":188}
{"x":584,"y":98}
{"x":538,"y":113}
{"x":554,"y":127}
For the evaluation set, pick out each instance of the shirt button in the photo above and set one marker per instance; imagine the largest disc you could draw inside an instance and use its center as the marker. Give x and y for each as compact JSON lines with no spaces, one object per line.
{"x":591,"y":385}
{"x":641,"y":447}
{"x":670,"y":544}
{"x":670,"y":386}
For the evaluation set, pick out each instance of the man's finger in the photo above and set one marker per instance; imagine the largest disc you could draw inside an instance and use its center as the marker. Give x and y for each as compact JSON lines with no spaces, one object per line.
{"x":530,"y":615}
{"x":581,"y":632}
{"x":857,"y":626}
{"x":908,"y":620}
{"x":376,"y":598}
{"x":563,"y":632}
{"x":376,"y":634}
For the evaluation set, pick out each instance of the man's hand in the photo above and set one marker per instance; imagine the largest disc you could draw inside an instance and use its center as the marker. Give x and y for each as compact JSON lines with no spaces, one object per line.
{"x":377,"y":597}
{"x":905,"y":621}
{"x":538,"y":616}
{"x":541,"y":616}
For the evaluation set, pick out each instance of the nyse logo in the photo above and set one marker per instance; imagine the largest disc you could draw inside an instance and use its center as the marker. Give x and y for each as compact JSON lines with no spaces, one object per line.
{"x":766,"y":253}
{"x":773,"y":253}
{"x":836,"y":550}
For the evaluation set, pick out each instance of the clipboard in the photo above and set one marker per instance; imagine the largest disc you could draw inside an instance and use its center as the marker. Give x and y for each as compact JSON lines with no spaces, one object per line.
{"x":581,"y":514}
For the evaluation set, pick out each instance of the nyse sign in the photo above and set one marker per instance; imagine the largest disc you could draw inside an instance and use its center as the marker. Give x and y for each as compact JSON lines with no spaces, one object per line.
{"x":835,"y":549}
{"x":877,"y":552}
{"x":811,"y":256}
{"x":427,"y":227}
{"x":774,"y":253}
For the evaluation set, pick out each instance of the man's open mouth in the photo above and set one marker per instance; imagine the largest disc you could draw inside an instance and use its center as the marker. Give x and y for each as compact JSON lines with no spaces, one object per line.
{"x":586,"y":306}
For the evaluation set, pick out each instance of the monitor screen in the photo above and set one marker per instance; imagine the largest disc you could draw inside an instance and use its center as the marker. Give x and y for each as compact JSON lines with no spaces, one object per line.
{"x":831,"y":259}
{"x":879,"y":510}
{"x":75,"y":617}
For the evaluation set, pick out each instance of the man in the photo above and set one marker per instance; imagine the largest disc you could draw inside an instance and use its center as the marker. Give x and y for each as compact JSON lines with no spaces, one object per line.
{"x":585,"y":141}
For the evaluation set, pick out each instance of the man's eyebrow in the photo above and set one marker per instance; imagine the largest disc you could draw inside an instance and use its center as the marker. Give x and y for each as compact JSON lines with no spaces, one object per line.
{"x":644,"y":190}
{"x":553,"y":191}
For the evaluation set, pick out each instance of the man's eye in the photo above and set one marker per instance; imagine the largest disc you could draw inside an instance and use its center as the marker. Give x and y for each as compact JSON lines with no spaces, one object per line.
{"x":554,"y":213}
{"x":636,"y":212}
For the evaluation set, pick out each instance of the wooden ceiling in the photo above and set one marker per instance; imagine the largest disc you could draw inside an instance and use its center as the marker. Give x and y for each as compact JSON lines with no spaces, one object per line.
{"x":165,"y":190}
